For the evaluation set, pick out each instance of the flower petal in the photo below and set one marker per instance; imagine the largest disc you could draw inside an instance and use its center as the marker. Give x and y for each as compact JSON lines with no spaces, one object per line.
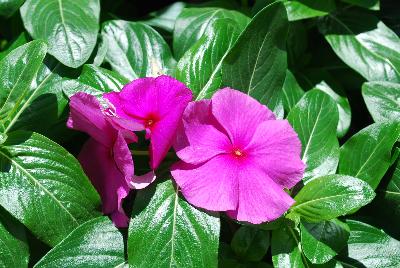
{"x":110,"y":183}
{"x":276,"y":149}
{"x":123,"y":158}
{"x":260,"y":198}
{"x":239,"y":114}
{"x":86,"y":115}
{"x":142,"y":181}
{"x":211,"y":185}
{"x":199,"y":139}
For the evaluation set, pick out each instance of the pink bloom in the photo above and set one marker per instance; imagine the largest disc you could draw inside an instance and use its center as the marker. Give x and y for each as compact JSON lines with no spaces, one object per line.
{"x":105,"y":157}
{"x":157,"y":105}
{"x":237,"y":158}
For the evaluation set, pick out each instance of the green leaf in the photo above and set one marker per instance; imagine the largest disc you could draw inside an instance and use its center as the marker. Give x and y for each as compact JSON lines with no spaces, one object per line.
{"x":286,"y":250}
{"x":8,"y":7}
{"x":170,"y":232}
{"x":14,"y":249}
{"x":331,"y":196}
{"x":102,"y":79}
{"x":370,"y":4}
{"x":70,"y":29}
{"x":200,"y":66}
{"x":322,"y":241}
{"x":96,"y":243}
{"x":304,"y":9}
{"x":22,"y":39}
{"x":256,"y":65}
{"x":383,"y":100}
{"x":315,"y":119}
{"x":371,"y":247}
{"x":44,"y":187}
{"x":136,"y":50}
{"x":193,"y":23}
{"x":365,"y":44}
{"x":343,"y":106}
{"x":250,"y":243}
{"x":165,"y":19}
{"x":367,"y":155}
{"x":17,"y":71}
{"x":292,"y":92}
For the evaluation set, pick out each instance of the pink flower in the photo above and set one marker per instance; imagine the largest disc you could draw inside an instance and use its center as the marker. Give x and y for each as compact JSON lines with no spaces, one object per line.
{"x":105,"y":157}
{"x":236,"y":157}
{"x":157,"y":105}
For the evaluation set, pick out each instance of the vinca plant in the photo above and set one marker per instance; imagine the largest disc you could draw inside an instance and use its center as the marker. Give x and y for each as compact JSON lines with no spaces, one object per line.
{"x":232,"y":134}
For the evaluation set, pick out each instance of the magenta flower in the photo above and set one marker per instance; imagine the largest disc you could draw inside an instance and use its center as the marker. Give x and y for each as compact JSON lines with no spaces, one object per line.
{"x":105,"y":157}
{"x":237,"y":158}
{"x":157,"y":105}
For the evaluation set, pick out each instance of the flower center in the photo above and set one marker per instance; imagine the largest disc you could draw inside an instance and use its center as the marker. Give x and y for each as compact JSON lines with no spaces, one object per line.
{"x":238,"y":153}
{"x":149,"y":122}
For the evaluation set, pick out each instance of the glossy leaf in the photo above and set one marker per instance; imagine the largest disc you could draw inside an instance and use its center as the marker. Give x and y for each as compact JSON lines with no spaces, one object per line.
{"x":331,"y":196}
{"x":250,"y":243}
{"x":193,"y":23}
{"x":286,"y":250}
{"x":371,"y":247}
{"x":44,"y":187}
{"x":166,"y":18}
{"x":315,"y":119}
{"x":136,"y":50}
{"x":291,"y":92}
{"x":304,"y":9}
{"x":22,"y":39}
{"x":256,"y":64}
{"x":14,"y":250}
{"x":70,"y":29}
{"x":365,"y":44}
{"x":96,"y":243}
{"x":367,"y":155}
{"x":200,"y":66}
{"x":169,"y":232}
{"x":370,"y":4}
{"x":343,"y":106}
{"x":17,"y":71}
{"x":102,"y":79}
{"x":322,"y":241}
{"x":382,"y":100}
{"x":8,"y":7}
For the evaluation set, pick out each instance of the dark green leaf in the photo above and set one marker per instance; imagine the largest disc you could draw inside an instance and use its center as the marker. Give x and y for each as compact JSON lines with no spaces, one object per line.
{"x":286,"y":250}
{"x":315,"y":119}
{"x":200,"y":66}
{"x":331,"y":196}
{"x":169,"y":232}
{"x":383,"y":100}
{"x":250,"y":243}
{"x":370,"y":247}
{"x":365,"y":44}
{"x":22,"y":39}
{"x":44,"y":187}
{"x":136,"y":50}
{"x":322,"y":241}
{"x":96,"y":243}
{"x":292,"y":92}
{"x":343,"y":106}
{"x":304,"y":9}
{"x":102,"y":79}
{"x":367,"y":155}
{"x":193,"y":23}
{"x":165,"y":19}
{"x":70,"y":29}
{"x":14,"y":251}
{"x":17,"y":72}
{"x":256,"y":65}
{"x":8,"y":7}
{"x":370,"y":4}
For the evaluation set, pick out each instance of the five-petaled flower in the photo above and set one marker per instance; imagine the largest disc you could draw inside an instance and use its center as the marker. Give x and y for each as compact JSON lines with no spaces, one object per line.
{"x":236,"y":157}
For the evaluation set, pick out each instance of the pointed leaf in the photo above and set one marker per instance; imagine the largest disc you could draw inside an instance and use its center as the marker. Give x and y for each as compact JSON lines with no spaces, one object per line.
{"x":102,"y":79}
{"x":170,"y":232}
{"x":96,"y":243}
{"x":70,"y":29}
{"x":286,"y":250}
{"x":250,"y":243}
{"x":44,"y":187}
{"x":166,"y":18}
{"x":8,"y":7}
{"x":291,"y":92}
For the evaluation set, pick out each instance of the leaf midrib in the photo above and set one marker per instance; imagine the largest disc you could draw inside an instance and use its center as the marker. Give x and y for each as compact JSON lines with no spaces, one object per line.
{"x":35,"y":181}
{"x":174,"y":226}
